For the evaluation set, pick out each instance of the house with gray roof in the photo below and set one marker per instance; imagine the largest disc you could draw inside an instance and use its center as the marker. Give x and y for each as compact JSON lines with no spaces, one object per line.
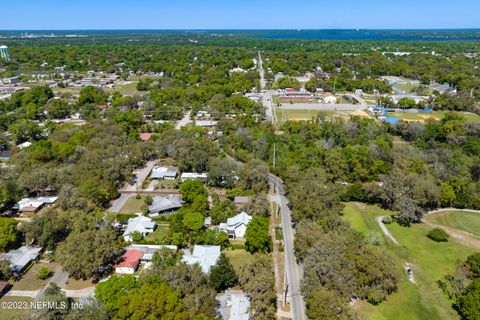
{"x":165,"y":204}
{"x":164,"y":173}
{"x":19,"y":259}
{"x":141,"y":224}
{"x":205,"y":256}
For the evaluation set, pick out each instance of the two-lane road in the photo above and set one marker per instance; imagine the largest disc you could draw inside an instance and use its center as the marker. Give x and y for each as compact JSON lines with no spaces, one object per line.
{"x":293,"y":271}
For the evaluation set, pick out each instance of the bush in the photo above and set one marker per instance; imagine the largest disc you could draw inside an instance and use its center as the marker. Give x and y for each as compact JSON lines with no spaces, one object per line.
{"x":44,"y":273}
{"x":387,"y":220}
{"x":438,"y":235}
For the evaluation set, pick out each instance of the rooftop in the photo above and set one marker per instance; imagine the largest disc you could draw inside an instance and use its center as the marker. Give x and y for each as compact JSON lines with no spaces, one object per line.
{"x":130,"y":259}
{"x":205,"y":256}
{"x":21,"y":257}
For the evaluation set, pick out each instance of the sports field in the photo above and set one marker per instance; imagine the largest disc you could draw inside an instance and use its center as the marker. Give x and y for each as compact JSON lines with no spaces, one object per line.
{"x":284,"y":115}
{"x":425,"y":116}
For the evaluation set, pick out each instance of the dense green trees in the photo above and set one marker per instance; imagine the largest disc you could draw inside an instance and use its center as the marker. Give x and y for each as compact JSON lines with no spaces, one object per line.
{"x":9,"y":235}
{"x":222,"y":275}
{"x":257,"y":236}
{"x":92,"y":95}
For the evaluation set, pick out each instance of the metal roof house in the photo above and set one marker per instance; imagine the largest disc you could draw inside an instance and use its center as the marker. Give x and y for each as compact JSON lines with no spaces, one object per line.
{"x":32,"y":205}
{"x":149,"y":250}
{"x":236,"y":226}
{"x":141,"y":224}
{"x":165,"y":173}
{"x":205,"y":256}
{"x":165,"y":204}
{"x":22,"y":257}
{"x":194,"y":176}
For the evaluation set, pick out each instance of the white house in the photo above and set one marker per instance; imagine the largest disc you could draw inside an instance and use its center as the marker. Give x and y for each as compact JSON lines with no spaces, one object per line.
{"x":32,"y":205}
{"x":165,"y":173}
{"x":141,"y":224}
{"x":194,"y":176}
{"x":233,"y":305}
{"x":205,"y":256}
{"x":236,"y":226}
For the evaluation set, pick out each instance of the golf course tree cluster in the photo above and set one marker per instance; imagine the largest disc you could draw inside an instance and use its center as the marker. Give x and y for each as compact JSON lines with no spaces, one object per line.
{"x":463,"y":286}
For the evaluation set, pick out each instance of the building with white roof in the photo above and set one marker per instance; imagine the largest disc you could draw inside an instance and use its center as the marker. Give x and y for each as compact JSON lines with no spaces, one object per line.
{"x":236,"y":226}
{"x":24,"y":145}
{"x":33,"y":205}
{"x":194,"y":176}
{"x":234,"y":305}
{"x":141,"y":224}
{"x":205,"y":256}
{"x":19,"y":259}
{"x":165,"y":173}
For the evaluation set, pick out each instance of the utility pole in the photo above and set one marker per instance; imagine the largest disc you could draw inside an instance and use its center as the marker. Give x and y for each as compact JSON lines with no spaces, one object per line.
{"x":274,"y":154}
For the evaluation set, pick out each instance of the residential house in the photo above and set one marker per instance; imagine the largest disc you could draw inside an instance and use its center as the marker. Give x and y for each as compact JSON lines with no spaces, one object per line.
{"x":141,"y":224}
{"x":236,"y":226}
{"x":33,"y":205}
{"x":149,"y":250}
{"x":21,"y":258}
{"x":164,"y":173}
{"x":145,"y":136}
{"x":165,"y":204}
{"x":205,"y":256}
{"x":194,"y":176}
{"x":129,"y":262}
{"x":234,"y":305}
{"x":24,"y":145}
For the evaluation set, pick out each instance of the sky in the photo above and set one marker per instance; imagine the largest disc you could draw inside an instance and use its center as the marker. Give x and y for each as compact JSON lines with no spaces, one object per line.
{"x":238,"y":14}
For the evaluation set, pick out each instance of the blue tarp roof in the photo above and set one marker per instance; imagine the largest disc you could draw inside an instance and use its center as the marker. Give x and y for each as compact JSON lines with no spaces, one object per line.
{"x":391,"y":120}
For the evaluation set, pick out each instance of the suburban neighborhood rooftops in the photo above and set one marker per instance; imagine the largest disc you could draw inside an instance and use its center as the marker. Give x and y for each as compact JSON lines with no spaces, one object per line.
{"x":193,"y":175}
{"x":21,"y":257}
{"x":149,"y":250}
{"x":205,"y":256}
{"x":33,"y":204}
{"x":164,"y":172}
{"x":141,"y":224}
{"x":161,"y":204}
{"x":130,"y":259}
{"x":242,"y":218}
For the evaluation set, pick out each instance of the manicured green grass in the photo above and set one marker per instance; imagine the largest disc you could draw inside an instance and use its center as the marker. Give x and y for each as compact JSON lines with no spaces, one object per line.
{"x":159,"y":235}
{"x":29,"y":280}
{"x":129,"y":89}
{"x":238,"y":257}
{"x":431,"y":261}
{"x":133,"y":205}
{"x":465,"y":221}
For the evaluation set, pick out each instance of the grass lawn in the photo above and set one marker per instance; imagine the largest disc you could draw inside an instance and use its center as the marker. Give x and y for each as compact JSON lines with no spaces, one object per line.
{"x":465,"y":221}
{"x":435,"y":115}
{"x":298,"y":115}
{"x":129,"y":89}
{"x":133,"y":205}
{"x":159,"y":235}
{"x":431,"y":261}
{"x":73,"y":284}
{"x":238,"y":257}
{"x":29,"y":280}
{"x":19,"y":313}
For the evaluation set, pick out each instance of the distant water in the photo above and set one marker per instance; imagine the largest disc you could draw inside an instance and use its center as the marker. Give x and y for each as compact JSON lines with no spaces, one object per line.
{"x":374,"y":35}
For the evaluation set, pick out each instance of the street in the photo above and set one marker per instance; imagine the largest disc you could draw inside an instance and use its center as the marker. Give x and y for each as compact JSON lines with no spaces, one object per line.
{"x":266,"y":95}
{"x":293,"y":271}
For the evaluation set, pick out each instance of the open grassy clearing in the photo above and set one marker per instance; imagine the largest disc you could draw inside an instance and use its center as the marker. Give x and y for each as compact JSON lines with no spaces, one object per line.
{"x":159,"y":235}
{"x":431,"y":261}
{"x":238,"y":257}
{"x":29,"y":280}
{"x":435,"y":115}
{"x":133,"y":205}
{"x":461,"y":220}
{"x":128,"y":88}
{"x":299,"y":115}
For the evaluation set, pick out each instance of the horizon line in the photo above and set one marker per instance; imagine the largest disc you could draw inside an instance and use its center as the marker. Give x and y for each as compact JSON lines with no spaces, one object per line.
{"x":247,"y":29}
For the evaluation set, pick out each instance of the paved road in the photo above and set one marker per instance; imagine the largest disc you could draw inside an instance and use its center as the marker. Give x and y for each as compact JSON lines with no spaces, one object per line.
{"x":293,"y":270}
{"x":184,"y":121}
{"x":125,"y":193}
{"x":266,"y":95}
